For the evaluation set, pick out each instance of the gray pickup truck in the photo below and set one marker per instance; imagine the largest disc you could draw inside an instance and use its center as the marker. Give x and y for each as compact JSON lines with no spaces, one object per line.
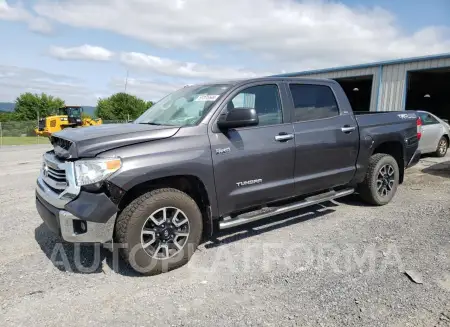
{"x":214,"y":156}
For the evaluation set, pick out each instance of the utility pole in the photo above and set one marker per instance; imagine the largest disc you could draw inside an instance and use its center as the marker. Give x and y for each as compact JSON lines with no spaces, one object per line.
{"x":126,"y":84}
{"x":37,"y":111}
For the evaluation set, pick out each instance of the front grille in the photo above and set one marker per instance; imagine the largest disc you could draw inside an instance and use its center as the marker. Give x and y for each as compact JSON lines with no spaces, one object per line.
{"x":57,"y":141}
{"x":53,"y":176}
{"x":41,"y":124}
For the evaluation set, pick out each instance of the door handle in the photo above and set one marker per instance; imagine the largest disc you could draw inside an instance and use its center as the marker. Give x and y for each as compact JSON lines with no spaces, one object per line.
{"x":284,"y":137}
{"x":348,"y":129}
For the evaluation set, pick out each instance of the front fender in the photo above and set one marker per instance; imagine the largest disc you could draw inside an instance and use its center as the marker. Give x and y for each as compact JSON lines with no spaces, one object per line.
{"x":176,"y":156}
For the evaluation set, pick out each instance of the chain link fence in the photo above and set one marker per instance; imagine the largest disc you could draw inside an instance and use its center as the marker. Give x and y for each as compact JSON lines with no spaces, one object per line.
{"x":22,"y":132}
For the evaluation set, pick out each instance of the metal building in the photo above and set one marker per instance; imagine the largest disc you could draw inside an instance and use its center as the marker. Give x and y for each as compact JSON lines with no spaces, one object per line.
{"x":411,"y":84}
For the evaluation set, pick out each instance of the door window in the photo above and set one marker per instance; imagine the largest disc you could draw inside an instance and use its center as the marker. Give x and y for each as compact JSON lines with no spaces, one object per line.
{"x":312,"y":102}
{"x":427,"y":119}
{"x":265,"y":99}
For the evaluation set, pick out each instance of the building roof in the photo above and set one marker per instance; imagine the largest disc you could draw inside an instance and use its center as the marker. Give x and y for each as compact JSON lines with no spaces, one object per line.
{"x":369,"y":65}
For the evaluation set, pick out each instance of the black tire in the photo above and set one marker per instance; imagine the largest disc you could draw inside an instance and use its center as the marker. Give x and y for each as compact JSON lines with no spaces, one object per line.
{"x":369,"y":188}
{"x":133,"y":218}
{"x":442,"y":148}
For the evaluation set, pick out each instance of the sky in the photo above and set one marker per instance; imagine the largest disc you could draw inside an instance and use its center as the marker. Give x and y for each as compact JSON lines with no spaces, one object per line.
{"x":83,"y":50}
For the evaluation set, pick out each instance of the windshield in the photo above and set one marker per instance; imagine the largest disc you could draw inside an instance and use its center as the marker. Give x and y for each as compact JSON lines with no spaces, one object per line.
{"x":73,"y":112}
{"x":185,"y":107}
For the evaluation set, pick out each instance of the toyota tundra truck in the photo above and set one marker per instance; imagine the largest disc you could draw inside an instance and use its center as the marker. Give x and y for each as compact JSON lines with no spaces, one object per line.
{"x":214,"y":156}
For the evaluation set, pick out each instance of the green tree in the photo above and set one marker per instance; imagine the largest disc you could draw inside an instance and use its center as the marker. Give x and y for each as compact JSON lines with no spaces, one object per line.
{"x":7,"y":116}
{"x":121,"y":106}
{"x":28,"y":105}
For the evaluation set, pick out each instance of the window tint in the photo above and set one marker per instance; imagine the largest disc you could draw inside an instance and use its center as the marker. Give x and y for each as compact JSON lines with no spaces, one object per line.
{"x":313,"y":102}
{"x":265,"y":99}
{"x":427,"y":119}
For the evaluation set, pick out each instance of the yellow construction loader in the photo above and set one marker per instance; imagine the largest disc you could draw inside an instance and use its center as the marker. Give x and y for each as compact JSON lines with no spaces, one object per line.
{"x":68,"y":117}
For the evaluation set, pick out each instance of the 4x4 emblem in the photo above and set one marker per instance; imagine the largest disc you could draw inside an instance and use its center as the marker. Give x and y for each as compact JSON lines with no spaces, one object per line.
{"x":223,"y":150}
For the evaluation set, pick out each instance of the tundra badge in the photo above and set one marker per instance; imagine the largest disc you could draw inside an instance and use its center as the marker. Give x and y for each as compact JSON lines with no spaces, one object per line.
{"x":250,"y":182}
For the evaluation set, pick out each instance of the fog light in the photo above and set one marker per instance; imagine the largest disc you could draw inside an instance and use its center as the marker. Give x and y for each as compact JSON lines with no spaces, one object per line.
{"x":79,"y":226}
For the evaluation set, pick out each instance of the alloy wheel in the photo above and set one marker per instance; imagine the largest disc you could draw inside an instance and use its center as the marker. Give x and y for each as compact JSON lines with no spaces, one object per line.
{"x":165,"y":233}
{"x":385,"y":180}
{"x":442,"y":147}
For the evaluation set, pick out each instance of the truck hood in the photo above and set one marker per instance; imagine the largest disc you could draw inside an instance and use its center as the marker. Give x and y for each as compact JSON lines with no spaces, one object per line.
{"x":86,"y":142}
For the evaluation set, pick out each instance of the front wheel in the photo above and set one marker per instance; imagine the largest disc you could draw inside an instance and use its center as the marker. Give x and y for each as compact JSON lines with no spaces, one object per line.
{"x":442,"y":148}
{"x":382,"y":177}
{"x":159,"y":231}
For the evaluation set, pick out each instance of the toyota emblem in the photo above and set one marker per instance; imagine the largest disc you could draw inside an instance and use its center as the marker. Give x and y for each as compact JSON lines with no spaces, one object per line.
{"x":45,"y":170}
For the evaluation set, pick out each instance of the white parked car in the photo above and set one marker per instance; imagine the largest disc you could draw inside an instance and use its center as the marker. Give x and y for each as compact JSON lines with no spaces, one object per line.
{"x":435,"y":134}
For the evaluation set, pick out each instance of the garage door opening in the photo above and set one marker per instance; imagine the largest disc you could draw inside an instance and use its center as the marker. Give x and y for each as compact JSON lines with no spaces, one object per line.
{"x":358,"y":90}
{"x":429,"y":90}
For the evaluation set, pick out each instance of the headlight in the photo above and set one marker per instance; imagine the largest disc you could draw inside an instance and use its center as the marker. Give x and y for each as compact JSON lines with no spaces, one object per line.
{"x":95,"y":170}
{"x":62,"y":119}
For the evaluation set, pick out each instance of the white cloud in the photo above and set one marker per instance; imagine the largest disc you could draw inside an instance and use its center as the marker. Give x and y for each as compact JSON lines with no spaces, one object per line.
{"x":83,"y":52}
{"x":284,"y":35}
{"x":17,"y":80}
{"x":304,"y":35}
{"x":20,"y":14}
{"x":168,"y":67}
{"x":144,"y":88}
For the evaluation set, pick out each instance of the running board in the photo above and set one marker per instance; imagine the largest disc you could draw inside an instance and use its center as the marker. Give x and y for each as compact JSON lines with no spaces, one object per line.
{"x":248,"y":217}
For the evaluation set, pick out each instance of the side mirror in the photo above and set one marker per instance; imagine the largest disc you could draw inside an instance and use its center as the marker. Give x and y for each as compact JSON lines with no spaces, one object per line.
{"x":238,"y":117}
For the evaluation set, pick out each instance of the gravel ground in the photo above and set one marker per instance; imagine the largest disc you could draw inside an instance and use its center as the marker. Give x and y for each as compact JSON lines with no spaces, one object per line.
{"x":338,"y":264}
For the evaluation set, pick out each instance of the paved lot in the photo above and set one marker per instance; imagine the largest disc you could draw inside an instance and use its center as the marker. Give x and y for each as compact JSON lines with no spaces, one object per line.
{"x":333,"y":265}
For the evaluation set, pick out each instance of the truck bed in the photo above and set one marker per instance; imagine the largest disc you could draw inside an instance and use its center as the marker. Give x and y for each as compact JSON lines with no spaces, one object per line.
{"x":386,"y":118}
{"x":376,"y":128}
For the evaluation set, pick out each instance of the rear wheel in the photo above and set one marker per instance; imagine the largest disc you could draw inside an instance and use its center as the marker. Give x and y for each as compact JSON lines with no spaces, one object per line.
{"x":159,"y":231}
{"x":382,"y":177}
{"x":442,"y":148}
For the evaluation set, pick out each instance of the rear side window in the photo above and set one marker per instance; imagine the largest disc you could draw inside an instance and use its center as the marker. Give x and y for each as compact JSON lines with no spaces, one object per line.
{"x":427,"y":119}
{"x":312,"y":102}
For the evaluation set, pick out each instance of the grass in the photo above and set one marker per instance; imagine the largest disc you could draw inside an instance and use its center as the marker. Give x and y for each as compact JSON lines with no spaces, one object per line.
{"x":23,"y":140}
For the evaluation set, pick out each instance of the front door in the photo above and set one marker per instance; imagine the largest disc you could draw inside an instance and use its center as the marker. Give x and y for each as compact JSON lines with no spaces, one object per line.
{"x":254,"y":165}
{"x":326,"y":140}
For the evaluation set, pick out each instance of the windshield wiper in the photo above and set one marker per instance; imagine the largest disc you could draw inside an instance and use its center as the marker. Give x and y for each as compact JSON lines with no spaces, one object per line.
{"x":156,"y":124}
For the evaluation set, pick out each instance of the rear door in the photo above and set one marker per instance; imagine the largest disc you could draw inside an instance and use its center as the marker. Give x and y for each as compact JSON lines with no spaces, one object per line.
{"x":254,"y":165}
{"x":431,"y":132}
{"x":326,"y":138}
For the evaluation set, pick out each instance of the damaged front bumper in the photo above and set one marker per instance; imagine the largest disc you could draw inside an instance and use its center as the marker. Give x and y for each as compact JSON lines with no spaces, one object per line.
{"x":70,"y":212}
